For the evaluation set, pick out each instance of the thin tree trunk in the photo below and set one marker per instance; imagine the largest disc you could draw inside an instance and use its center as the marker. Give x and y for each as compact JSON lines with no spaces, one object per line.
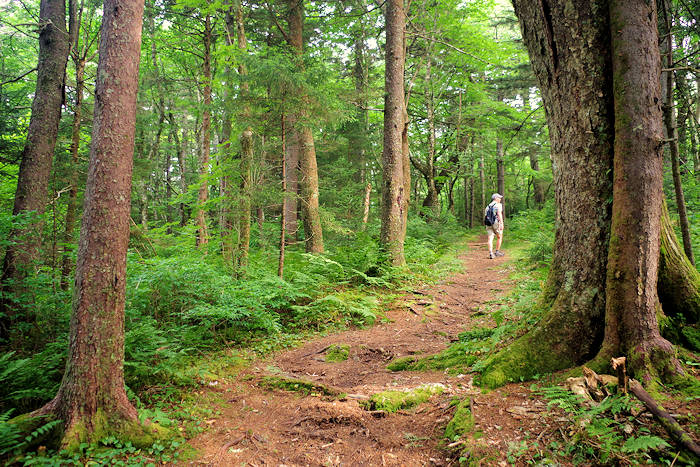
{"x":500,"y":169}
{"x":394,"y":189}
{"x":167,"y":166}
{"x":71,"y":209}
{"x":204,"y":161}
{"x":181,"y":163}
{"x":91,"y":400}
{"x":631,"y":328}
{"x":482,"y":177}
{"x":291,"y":157}
{"x":669,"y":117}
{"x":365,"y":215}
{"x":283,"y":220}
{"x":37,"y":156}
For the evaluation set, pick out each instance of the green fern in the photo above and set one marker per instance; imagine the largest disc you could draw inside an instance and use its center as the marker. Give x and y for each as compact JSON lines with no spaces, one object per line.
{"x":643,"y":444}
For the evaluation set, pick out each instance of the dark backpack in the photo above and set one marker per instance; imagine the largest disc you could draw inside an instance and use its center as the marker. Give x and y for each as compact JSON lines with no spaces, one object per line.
{"x":490,"y":218}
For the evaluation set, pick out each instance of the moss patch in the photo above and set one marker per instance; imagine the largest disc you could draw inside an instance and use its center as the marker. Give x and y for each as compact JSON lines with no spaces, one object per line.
{"x":337,"y":353}
{"x":299,"y":385}
{"x":391,"y":401}
{"x":462,"y":421}
{"x":402,"y":363}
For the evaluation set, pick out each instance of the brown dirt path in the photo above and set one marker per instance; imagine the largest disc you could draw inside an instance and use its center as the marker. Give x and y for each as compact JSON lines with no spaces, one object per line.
{"x":273,"y":427}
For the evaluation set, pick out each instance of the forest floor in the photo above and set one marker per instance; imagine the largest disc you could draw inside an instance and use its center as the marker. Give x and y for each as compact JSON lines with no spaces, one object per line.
{"x":255,"y":424}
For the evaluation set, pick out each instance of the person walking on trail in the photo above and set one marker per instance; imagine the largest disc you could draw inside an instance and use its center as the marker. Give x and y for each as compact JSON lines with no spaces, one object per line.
{"x":493,"y":218}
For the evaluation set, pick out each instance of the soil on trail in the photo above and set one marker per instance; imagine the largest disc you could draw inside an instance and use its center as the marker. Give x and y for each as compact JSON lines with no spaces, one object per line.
{"x":260,"y":426}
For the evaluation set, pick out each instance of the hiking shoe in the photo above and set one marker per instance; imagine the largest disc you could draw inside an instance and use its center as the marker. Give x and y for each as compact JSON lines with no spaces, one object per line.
{"x":499,"y":253}
{"x":491,"y":256}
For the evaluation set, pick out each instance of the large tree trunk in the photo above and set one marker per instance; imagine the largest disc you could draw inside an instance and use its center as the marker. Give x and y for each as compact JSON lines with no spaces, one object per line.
{"x":671,"y":129}
{"x":37,"y":156}
{"x":246,"y":155}
{"x":631,"y":328}
{"x":394,"y":190}
{"x":203,"y":195}
{"x":304,"y":138}
{"x":568,"y":42}
{"x":91,"y":400}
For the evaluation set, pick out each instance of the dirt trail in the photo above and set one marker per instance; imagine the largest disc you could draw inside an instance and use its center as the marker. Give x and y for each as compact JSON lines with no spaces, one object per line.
{"x":274,"y":427}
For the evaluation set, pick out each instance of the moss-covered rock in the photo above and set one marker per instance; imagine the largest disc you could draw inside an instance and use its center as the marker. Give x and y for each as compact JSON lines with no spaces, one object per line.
{"x":337,"y":353}
{"x":462,"y":421}
{"x":391,"y":401}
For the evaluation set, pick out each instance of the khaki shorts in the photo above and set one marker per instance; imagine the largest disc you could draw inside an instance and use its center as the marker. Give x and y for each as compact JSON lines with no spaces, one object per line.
{"x":492,"y":230}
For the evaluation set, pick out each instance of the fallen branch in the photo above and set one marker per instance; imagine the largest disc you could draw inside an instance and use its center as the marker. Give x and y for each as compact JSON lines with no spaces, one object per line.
{"x":664,"y":418}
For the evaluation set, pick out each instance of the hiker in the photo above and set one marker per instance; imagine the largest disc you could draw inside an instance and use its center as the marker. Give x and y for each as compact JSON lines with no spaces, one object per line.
{"x":494,"y":214}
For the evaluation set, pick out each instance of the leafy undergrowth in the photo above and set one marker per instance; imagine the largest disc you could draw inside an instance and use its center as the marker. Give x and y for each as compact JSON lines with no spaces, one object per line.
{"x":190,"y":324}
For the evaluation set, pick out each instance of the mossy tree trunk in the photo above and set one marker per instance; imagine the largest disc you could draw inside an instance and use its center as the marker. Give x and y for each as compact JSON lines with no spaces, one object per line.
{"x":394,"y":190}
{"x":91,"y":400}
{"x":679,"y":281}
{"x":631,"y":328}
{"x":37,"y":158}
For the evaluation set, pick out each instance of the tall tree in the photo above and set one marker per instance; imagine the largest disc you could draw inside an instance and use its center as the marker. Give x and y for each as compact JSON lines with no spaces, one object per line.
{"x":303,"y":139}
{"x":570,"y":48}
{"x":394,"y":190}
{"x":91,"y":400}
{"x":37,"y":156}
{"x":205,"y":142}
{"x":631,"y":328}
{"x":246,"y":151}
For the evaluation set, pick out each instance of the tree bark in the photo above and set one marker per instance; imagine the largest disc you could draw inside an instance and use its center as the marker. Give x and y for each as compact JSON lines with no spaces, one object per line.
{"x":91,"y":400}
{"x":394,"y":190}
{"x":669,"y":118}
{"x":631,"y":328}
{"x":203,"y":194}
{"x":37,"y":157}
{"x":304,"y":138}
